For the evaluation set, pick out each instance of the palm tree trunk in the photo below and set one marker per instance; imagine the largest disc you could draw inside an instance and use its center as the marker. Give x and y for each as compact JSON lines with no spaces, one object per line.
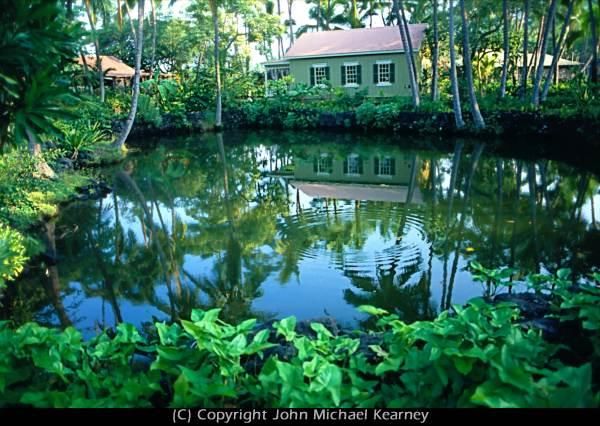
{"x":525,"y":51}
{"x":458,"y":117}
{"x":354,"y":20}
{"x":35,"y":149}
{"x":154,"y":30}
{"x":88,"y":9}
{"x":435,"y":95}
{"x":477,"y":117}
{"x":557,"y":51}
{"x":506,"y":44}
{"x":409,"y":39}
{"x":86,"y":72}
{"x":594,"y":63}
{"x":136,"y":78}
{"x":130,"y":19}
{"x":290,"y":21}
{"x":413,"y":81}
{"x":218,"y":106}
{"x":540,"y":68}
{"x":280,"y":51}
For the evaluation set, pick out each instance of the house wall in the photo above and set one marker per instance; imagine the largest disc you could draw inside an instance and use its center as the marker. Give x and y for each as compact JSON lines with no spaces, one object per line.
{"x":304,"y":170}
{"x":300,"y":70}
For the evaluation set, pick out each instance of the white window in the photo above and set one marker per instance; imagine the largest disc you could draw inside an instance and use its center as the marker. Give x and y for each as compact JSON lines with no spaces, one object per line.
{"x":319,"y":74}
{"x":386,"y":166}
{"x":351,"y":74}
{"x":384,"y":73}
{"x":325,"y":164}
{"x":353,"y":165}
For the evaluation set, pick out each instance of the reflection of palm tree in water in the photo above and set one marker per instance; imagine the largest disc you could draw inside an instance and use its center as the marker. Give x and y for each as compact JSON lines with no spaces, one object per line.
{"x":389,"y":289}
{"x":231,"y":288}
{"x":53,"y":285}
{"x":460,"y":227}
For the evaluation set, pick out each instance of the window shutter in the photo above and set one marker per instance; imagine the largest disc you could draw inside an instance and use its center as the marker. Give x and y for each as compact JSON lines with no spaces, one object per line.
{"x":392,"y":72}
{"x":327,"y":74}
{"x":315,"y":165}
{"x":358,"y":74}
{"x":360,"y":166}
{"x":375,"y":79}
{"x":376,"y":165}
{"x":346,"y":166}
{"x":393,"y":166}
{"x":343,"y":68}
{"x":312,"y":75}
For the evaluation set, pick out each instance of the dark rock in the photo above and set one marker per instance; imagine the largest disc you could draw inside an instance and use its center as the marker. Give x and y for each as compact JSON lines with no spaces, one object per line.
{"x":64,"y":164}
{"x":532,"y":306}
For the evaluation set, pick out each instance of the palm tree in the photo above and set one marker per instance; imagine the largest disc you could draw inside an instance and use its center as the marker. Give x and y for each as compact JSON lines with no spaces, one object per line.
{"x":506,"y":46}
{"x":92,"y":21}
{"x":525,"y":50}
{"x":136,"y":78}
{"x":468,"y":67}
{"x":214,"y":10}
{"x":290,"y":21}
{"x":458,"y":117}
{"x":544,"y":41}
{"x":403,"y":28}
{"x":435,"y":94}
{"x":153,"y":7}
{"x":557,"y":51}
{"x":594,"y":63}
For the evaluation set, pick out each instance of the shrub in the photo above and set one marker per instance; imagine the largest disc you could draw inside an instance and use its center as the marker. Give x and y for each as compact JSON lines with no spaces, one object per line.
{"x":148,"y":112}
{"x":79,"y":136}
{"x":12,"y":254}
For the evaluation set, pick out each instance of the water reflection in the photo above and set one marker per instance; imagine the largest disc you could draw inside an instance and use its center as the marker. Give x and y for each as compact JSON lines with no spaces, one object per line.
{"x":265,"y":228}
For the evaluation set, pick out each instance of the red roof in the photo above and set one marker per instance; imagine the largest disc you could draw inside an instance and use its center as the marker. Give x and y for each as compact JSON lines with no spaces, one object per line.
{"x":355,"y":41}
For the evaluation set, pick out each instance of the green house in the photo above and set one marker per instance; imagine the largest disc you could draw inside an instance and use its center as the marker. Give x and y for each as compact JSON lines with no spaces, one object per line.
{"x":370,"y":59}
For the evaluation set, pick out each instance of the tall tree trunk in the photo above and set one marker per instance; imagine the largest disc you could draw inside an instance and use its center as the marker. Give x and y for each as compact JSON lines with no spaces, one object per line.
{"x":290,"y":21}
{"x":280,"y":51}
{"x":136,"y":78}
{"x":130,"y":19}
{"x":154,"y":30}
{"x":86,"y":72}
{"x":594,"y":63}
{"x":35,"y":149}
{"x":88,"y":10}
{"x":557,"y":52}
{"x":477,"y":117}
{"x":458,"y":117}
{"x":540,"y":68}
{"x":414,"y":88}
{"x":354,"y":19}
{"x":218,"y":106}
{"x":119,"y":15}
{"x":525,"y":51}
{"x":409,"y":39}
{"x":435,"y":94}
{"x":536,"y":51}
{"x":506,"y":44}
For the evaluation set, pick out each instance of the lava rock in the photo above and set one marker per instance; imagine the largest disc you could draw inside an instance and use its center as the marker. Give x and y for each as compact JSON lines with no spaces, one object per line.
{"x":532,"y":306}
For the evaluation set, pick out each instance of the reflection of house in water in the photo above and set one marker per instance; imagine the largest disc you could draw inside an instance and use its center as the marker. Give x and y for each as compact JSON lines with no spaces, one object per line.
{"x":370,"y":177}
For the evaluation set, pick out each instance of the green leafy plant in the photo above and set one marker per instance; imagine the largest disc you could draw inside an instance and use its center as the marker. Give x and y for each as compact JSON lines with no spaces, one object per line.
{"x":12,"y":254}
{"x":80,"y":136}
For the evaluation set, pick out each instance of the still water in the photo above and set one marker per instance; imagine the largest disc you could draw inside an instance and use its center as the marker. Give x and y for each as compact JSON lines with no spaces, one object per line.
{"x":268,"y":225}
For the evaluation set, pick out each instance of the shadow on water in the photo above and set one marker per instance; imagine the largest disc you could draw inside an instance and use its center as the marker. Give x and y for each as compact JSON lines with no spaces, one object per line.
{"x":307,"y":224}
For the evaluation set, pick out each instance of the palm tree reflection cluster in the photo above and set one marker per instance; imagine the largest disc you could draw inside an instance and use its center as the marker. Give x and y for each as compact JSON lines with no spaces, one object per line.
{"x":206,"y":225}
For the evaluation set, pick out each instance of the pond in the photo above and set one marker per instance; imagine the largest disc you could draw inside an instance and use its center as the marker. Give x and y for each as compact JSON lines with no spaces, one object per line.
{"x":269,"y":225}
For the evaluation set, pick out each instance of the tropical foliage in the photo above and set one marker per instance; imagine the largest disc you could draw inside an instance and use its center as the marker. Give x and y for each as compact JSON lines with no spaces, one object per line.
{"x":475,"y":355}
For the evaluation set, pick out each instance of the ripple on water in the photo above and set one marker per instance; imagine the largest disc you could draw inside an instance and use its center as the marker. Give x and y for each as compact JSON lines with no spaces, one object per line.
{"x":327,"y":236}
